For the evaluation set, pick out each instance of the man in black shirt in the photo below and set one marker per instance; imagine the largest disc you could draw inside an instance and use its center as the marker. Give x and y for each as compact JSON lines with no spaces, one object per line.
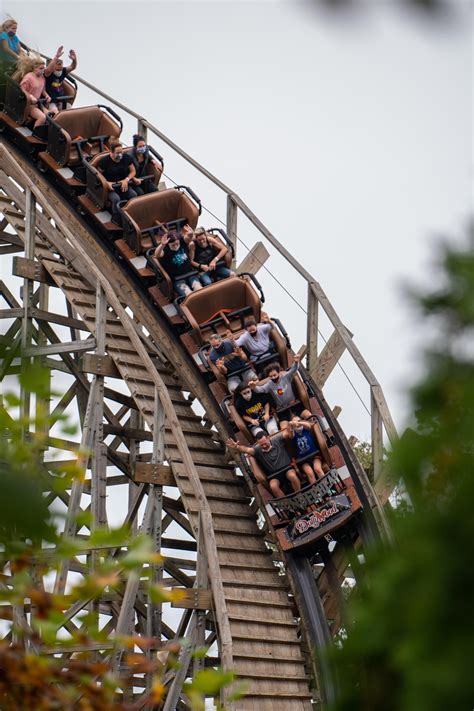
{"x":118,"y":169}
{"x":255,"y":410}
{"x":55,"y":74}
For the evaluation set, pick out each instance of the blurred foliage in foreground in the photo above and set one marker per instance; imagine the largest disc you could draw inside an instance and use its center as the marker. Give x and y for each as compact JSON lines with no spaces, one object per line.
{"x":36,"y":624}
{"x":410,"y":642}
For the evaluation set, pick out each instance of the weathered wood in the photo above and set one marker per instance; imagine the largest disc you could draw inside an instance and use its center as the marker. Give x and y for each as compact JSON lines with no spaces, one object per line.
{"x":377,"y":437}
{"x":231,"y":224}
{"x":74,"y":323}
{"x":254,"y":259}
{"x":160,"y":474}
{"x":194,"y":599}
{"x":57,"y":348}
{"x":312,"y":330}
{"x":328,"y":358}
{"x":31,"y":269}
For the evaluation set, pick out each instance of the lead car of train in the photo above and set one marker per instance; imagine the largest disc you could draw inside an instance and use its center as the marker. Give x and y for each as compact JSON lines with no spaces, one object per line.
{"x":67,"y":150}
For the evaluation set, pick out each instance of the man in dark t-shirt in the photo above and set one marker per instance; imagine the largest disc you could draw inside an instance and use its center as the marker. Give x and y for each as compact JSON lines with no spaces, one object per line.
{"x":255,"y":410}
{"x":118,"y":169}
{"x":272,"y":456}
{"x":55,"y":74}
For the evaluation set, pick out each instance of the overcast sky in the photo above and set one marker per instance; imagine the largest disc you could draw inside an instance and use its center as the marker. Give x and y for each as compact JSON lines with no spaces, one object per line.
{"x":350,"y":136}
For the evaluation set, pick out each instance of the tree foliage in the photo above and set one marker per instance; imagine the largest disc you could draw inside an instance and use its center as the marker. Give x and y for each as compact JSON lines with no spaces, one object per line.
{"x":40,"y":667}
{"x":410,"y":641}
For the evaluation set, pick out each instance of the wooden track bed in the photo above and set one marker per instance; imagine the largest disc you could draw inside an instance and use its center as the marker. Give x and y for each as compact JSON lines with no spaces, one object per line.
{"x":266,"y":644}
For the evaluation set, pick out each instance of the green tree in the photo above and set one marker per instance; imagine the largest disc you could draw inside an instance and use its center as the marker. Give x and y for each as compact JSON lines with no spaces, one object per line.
{"x":410,"y":641}
{"x":35,"y":616}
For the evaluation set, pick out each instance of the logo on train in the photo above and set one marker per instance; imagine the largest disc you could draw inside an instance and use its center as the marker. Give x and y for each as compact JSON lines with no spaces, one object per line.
{"x":319,"y":519}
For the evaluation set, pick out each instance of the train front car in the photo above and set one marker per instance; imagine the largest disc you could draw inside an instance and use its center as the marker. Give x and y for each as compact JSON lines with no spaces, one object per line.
{"x":318,"y":512}
{"x":327,"y":502}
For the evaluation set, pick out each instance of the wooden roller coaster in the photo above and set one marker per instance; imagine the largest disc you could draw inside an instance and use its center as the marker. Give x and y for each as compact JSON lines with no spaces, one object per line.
{"x":151,"y":424}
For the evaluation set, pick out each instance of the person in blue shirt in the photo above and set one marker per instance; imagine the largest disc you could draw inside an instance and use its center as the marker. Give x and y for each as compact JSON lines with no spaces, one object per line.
{"x":10,"y":48}
{"x":305,"y":449}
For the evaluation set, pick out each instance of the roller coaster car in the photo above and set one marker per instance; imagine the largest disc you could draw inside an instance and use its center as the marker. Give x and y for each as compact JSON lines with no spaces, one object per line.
{"x":15,"y":119}
{"x":299,"y":389}
{"x":96,"y":202}
{"x":164,"y":280}
{"x":145,"y":219}
{"x":320,"y":510}
{"x":222,"y":306}
{"x":75,"y":136}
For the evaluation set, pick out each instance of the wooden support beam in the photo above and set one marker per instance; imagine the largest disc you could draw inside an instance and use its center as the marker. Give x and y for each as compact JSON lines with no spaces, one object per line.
{"x":128,"y":433}
{"x":328,"y":358}
{"x":160,"y":474}
{"x":312,"y":330}
{"x":194,"y":599}
{"x":57,"y":348}
{"x":255,"y":259}
{"x":336,"y":411}
{"x":232,"y":224}
{"x":31,"y":269}
{"x":41,"y":315}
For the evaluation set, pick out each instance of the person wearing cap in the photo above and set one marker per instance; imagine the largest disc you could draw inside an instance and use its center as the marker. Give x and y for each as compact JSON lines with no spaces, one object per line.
{"x":274,"y":460}
{"x":255,"y":410}
{"x":231,"y":361}
{"x":173,"y":253}
{"x":205,"y":253}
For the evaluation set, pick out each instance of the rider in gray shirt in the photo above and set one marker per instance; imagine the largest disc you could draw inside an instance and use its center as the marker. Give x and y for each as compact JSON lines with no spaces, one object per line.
{"x":279,"y":385}
{"x":272,"y":456}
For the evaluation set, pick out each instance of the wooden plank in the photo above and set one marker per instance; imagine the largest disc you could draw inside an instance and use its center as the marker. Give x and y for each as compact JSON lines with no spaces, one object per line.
{"x":160,"y":474}
{"x":254,"y":260}
{"x":231,"y":224}
{"x":194,"y":599}
{"x":312,"y":330}
{"x":31,"y":269}
{"x":41,"y":315}
{"x":57,"y":348}
{"x":328,"y":358}
{"x":99,"y":365}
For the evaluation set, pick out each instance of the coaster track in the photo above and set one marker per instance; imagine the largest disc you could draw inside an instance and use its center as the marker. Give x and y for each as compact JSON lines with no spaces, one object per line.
{"x":268,"y":610}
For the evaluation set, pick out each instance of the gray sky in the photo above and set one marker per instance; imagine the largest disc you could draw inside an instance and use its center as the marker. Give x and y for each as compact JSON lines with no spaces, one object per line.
{"x":350,"y":138}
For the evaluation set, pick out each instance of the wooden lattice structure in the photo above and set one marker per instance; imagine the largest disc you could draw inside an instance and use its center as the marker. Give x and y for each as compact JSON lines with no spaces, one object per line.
{"x":155,"y":432}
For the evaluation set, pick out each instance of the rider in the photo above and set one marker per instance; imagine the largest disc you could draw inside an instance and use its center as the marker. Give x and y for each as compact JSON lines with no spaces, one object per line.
{"x":205,"y":253}
{"x":118,"y":169}
{"x":255,"y":410}
{"x":273,"y":457}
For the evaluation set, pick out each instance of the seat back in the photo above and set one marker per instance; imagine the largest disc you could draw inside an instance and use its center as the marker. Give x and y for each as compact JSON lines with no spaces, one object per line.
{"x":228,"y":295}
{"x":73,"y":127}
{"x":160,"y":207}
{"x":17,"y":103}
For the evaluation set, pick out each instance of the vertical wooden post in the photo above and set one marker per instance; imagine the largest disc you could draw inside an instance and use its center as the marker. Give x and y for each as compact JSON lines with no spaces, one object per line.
{"x":99,"y":462}
{"x":136,"y":423}
{"x":312,"y":330}
{"x":232,"y":225}
{"x":142,"y":129}
{"x":202,"y":581}
{"x":377,"y":436}
{"x":154,"y":610}
{"x":26,"y":325}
